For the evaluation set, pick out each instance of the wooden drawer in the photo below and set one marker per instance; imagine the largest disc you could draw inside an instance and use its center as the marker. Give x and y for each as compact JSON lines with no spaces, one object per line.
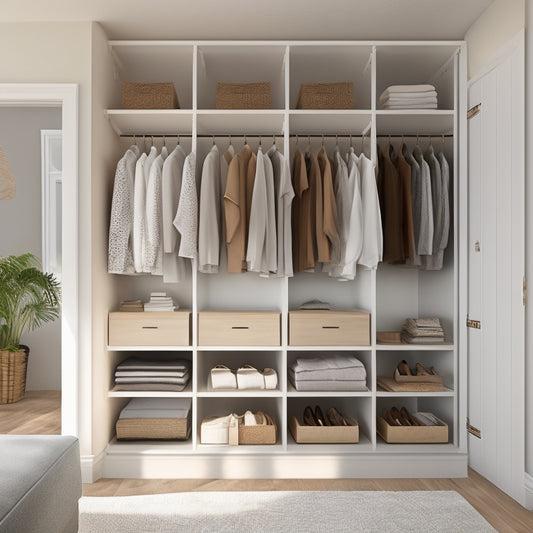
{"x":162,"y":328}
{"x":238,"y":328}
{"x":329,"y":328}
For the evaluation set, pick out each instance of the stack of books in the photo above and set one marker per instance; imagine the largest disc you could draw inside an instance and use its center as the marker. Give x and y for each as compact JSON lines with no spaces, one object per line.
{"x":159,"y":301}
{"x":422,"y":331}
{"x":133,"y":306}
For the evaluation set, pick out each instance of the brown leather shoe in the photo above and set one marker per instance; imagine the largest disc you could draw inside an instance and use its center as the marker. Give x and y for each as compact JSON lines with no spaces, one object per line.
{"x":309,"y":417}
{"x":403,"y":368}
{"x":320,"y":418}
{"x":388,"y":418}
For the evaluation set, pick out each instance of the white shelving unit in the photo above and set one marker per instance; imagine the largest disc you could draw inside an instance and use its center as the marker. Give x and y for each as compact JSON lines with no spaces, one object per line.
{"x":390,"y":293}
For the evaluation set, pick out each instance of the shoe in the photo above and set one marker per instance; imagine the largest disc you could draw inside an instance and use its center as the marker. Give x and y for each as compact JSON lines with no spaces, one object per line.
{"x":421,"y":371}
{"x":407,"y":415}
{"x":321,"y":419}
{"x":336,"y":418}
{"x":249,"y":377}
{"x":222,"y":378}
{"x":270,"y":377}
{"x":388,"y":418}
{"x":396,"y":415}
{"x":403,"y":368}
{"x":309,"y":417}
{"x":216,"y":430}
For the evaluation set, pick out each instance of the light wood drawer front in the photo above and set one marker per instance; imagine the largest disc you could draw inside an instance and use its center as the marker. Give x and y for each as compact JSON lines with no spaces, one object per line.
{"x":162,"y":328}
{"x":329,"y":328}
{"x":230,"y":328}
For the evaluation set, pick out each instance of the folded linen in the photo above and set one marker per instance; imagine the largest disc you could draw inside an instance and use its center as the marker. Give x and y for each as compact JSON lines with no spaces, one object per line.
{"x":134,"y":363}
{"x":148,"y":387}
{"x":398,"y":89}
{"x":409,"y":101}
{"x":354,"y":373}
{"x":407,"y":96}
{"x":157,"y":408}
{"x":150,"y":373}
{"x":332,"y":361}
{"x":411,"y":106}
{"x":177,"y":381}
{"x":329,"y":385}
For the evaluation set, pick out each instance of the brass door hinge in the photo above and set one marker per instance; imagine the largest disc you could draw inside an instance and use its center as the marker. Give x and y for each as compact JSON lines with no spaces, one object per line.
{"x":475,"y":324}
{"x":472,"y":430}
{"x":473,"y":111}
{"x":524,"y":291}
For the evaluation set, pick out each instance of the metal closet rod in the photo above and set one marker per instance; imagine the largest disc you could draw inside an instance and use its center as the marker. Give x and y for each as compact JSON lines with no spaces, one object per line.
{"x":399,"y":135}
{"x":292,"y":136}
{"x":188,"y":135}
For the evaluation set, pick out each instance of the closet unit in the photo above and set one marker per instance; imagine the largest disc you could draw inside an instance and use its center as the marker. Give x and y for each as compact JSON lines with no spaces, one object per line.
{"x":389,"y":294}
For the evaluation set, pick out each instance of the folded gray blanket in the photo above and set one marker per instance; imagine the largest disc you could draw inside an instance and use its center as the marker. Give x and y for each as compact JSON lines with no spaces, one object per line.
{"x":157,"y":408}
{"x":146,"y":379}
{"x":134,"y":363}
{"x":328,"y":367}
{"x":164,"y":387}
{"x":329,"y":385}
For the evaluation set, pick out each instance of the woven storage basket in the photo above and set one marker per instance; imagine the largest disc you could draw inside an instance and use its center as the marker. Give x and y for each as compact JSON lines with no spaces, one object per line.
{"x":153,"y":428}
{"x":243,"y":95}
{"x":258,"y":434}
{"x":149,"y":96}
{"x":326,"y":96}
{"x":13,"y":366}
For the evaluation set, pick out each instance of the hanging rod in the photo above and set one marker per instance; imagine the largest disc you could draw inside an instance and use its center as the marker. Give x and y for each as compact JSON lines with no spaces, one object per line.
{"x":188,"y":135}
{"x":420,"y":135}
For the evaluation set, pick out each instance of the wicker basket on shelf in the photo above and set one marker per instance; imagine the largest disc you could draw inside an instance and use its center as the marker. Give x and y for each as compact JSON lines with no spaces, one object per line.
{"x":243,"y":95}
{"x":326,"y":96}
{"x":13,"y":366}
{"x":149,"y":96}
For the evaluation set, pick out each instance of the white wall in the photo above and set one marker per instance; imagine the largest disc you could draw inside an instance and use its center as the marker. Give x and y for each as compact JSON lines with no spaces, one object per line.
{"x":501,"y":21}
{"x":20,"y":138}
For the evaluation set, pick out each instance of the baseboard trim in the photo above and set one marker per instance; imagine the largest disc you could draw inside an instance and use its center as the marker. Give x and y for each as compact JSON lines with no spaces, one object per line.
{"x":92,"y":467}
{"x":528,"y":486}
{"x":163,"y":466}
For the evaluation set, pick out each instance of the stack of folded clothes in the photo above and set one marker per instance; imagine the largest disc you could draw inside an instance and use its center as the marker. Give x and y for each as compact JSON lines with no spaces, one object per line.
{"x":422,"y":331}
{"x":409,"y":97}
{"x":159,"y":301}
{"x":332,"y":372}
{"x":135,"y":374}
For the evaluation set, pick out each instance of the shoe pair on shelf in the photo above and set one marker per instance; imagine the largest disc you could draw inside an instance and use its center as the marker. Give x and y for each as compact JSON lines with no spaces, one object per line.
{"x":246,"y":377}
{"x":404,"y":370}
{"x":401,"y":417}
{"x":317,"y":418}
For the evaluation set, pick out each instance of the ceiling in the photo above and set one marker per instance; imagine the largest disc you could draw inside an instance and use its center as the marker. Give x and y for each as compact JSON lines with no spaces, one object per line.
{"x":268,"y":19}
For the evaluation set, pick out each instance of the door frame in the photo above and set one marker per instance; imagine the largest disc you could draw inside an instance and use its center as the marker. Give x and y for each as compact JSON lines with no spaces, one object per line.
{"x":64,"y":95}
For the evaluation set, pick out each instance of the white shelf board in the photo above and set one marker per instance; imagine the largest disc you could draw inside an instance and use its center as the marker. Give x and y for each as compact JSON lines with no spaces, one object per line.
{"x":445,"y":347}
{"x":292,"y":392}
{"x":239,"y":122}
{"x":187,"y":392}
{"x":238,"y":348}
{"x":151,"y":121}
{"x":328,"y":348}
{"x":385,"y":447}
{"x":449,"y":393}
{"x":152,"y":447}
{"x":332,"y":122}
{"x":412,"y":122}
{"x":364,"y":445}
{"x":137,"y":348}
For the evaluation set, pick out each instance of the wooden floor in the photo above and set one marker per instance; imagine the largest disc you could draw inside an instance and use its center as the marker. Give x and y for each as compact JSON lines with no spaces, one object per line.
{"x":39,"y":412}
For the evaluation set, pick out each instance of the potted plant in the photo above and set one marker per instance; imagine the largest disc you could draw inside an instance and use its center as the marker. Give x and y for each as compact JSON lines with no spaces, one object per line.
{"x":28,"y":299}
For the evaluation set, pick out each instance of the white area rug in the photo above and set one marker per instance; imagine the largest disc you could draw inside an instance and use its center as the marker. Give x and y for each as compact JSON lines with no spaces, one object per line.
{"x":283,"y":511}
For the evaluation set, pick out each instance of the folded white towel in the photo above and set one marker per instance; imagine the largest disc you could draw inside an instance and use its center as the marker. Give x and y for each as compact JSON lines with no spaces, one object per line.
{"x":406,"y":101}
{"x":428,"y":94}
{"x":411,"y":106}
{"x":250,"y":378}
{"x":409,"y":89}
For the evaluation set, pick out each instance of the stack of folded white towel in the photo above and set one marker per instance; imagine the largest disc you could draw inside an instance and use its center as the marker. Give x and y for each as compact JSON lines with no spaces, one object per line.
{"x":148,"y":375}
{"x":422,"y":331}
{"x":159,"y":301}
{"x":409,"y":97}
{"x":331,"y":372}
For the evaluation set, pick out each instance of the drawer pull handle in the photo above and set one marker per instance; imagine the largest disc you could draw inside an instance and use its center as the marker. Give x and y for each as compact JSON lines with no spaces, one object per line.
{"x":240,"y":327}
{"x":331,"y":327}
{"x":150,"y":327}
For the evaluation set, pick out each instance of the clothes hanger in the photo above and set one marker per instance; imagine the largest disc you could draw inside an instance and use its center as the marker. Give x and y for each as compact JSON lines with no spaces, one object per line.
{"x":213,"y":140}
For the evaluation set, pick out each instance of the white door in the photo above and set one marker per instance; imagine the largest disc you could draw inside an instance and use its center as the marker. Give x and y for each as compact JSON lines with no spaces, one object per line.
{"x":495,"y":274}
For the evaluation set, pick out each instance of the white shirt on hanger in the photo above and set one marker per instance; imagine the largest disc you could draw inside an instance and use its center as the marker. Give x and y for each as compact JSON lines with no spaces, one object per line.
{"x":210,"y":221}
{"x":270,"y":252}
{"x":186,"y":219}
{"x":120,"y":253}
{"x":174,"y":267}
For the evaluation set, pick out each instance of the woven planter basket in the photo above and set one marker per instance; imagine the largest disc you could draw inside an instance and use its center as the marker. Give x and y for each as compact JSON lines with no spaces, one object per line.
{"x":243,"y":95}
{"x":149,"y":96}
{"x":326,"y":96}
{"x":13,"y":366}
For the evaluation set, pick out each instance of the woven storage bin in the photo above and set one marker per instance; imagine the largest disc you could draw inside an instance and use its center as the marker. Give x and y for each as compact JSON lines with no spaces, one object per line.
{"x":326,"y":96}
{"x":153,"y":428}
{"x":259,"y":434}
{"x":243,"y":95}
{"x":13,"y":366}
{"x":149,"y":96}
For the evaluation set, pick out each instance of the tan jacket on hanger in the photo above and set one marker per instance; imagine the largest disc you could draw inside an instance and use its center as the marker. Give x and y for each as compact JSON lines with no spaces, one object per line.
{"x":404,"y":173}
{"x":235,"y":210}
{"x":250,"y":179}
{"x":302,"y":230}
{"x":321,"y":248}
{"x":329,"y":206}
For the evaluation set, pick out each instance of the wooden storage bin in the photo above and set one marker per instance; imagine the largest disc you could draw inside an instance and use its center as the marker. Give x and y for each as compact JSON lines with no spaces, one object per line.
{"x":161,"y":328}
{"x":326,"y":96}
{"x":243,"y":95}
{"x":389,"y":337}
{"x":149,"y":96}
{"x":238,"y":328}
{"x":329,"y":328}
{"x":323,"y":434}
{"x":259,"y":434}
{"x":411,"y":434}
{"x":153,"y":428}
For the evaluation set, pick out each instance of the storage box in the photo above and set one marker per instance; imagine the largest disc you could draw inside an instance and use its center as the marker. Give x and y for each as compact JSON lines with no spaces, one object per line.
{"x":258,"y":434}
{"x":389,"y":337}
{"x":329,"y":328}
{"x":326,"y":96}
{"x":161,"y":328}
{"x":323,"y":434}
{"x":412,"y":434}
{"x":238,"y":328}
{"x":153,"y":428}
{"x":243,"y":95}
{"x":149,"y":96}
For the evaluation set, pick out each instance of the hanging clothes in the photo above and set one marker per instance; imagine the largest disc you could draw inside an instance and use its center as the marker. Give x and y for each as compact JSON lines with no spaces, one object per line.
{"x":404,"y":174}
{"x":425,"y":237}
{"x":446,"y":216}
{"x":416,"y":203}
{"x":174,"y":267}
{"x":210,"y":222}
{"x":284,"y":195}
{"x":120,"y":246}
{"x":269,"y":263}
{"x":154,"y":215}
{"x":235,"y":210}
{"x":302,"y":227}
{"x":434,"y":259}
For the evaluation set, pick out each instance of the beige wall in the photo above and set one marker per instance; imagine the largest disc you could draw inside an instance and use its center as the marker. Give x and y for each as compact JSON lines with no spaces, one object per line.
{"x":501,"y":21}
